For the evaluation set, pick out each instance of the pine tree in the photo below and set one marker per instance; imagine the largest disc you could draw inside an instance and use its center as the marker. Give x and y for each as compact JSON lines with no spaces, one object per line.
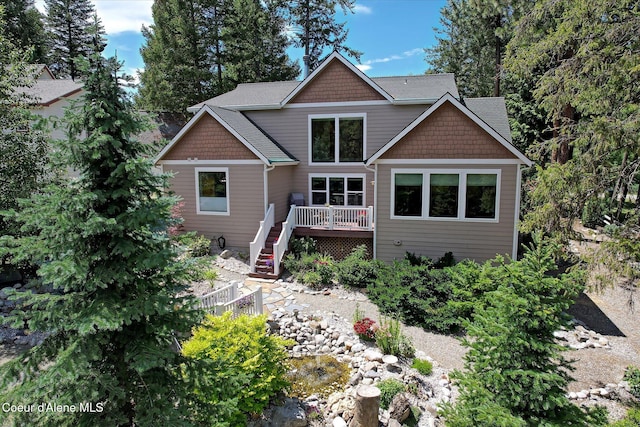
{"x":24,"y":167}
{"x":317,"y":30}
{"x":515,"y":374}
{"x":69,"y":23}
{"x":255,"y":44}
{"x":110,"y":303}
{"x":24,"y":27}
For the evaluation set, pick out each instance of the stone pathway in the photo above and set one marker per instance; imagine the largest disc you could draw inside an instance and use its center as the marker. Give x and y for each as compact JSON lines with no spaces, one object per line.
{"x":274,"y":295}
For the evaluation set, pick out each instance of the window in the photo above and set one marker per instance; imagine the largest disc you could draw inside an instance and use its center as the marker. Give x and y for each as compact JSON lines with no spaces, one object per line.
{"x":212,"y":189}
{"x":337,"y":139}
{"x":481,"y":196}
{"x":408,"y":192}
{"x":451,"y":195}
{"x":345,"y":190}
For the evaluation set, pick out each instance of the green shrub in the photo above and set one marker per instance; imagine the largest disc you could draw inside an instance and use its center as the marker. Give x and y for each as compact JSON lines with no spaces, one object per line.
{"x":415,"y":260}
{"x":357,"y":270}
{"x":210,"y":276}
{"x":312,"y":278}
{"x":246,"y":356}
{"x":388,"y":389}
{"x":302,"y":245}
{"x":311,"y":268}
{"x":593,"y":213}
{"x":194,"y":244}
{"x":391,"y":340}
{"x":632,"y":377}
{"x":423,"y":366}
{"x":447,"y":260}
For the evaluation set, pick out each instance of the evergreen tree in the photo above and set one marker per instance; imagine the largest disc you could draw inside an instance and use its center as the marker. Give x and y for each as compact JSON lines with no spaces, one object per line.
{"x":110,"y":303}
{"x":70,"y":25}
{"x":515,"y":374}
{"x":316,"y":29}
{"x":255,"y":43}
{"x":581,"y":59}
{"x":24,"y":27}
{"x":23,"y":145}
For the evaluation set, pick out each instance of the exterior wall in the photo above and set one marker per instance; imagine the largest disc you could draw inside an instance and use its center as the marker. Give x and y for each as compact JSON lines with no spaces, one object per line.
{"x":337,"y":83}
{"x":475,"y":240}
{"x":56,"y":110}
{"x":290,"y":127}
{"x":246,"y":203}
{"x":280,"y":181}
{"x":446,"y":134}
{"x":209,"y":140}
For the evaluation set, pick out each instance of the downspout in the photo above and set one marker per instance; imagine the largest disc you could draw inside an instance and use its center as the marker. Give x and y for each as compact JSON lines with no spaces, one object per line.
{"x":375,"y":208}
{"x":516,"y":215}
{"x":265,"y":191}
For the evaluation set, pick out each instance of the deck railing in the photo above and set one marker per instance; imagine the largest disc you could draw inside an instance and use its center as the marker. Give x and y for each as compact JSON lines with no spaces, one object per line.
{"x":227,"y":299}
{"x":261,"y":236}
{"x":280,"y":247}
{"x":332,"y":218}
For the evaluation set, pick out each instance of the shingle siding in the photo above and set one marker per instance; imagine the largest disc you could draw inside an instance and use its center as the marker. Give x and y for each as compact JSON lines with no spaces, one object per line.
{"x":337,"y":83}
{"x":447,"y":134}
{"x":209,"y":140}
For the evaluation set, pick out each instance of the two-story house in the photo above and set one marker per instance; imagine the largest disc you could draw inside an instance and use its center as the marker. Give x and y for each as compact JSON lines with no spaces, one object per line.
{"x":396,"y":163}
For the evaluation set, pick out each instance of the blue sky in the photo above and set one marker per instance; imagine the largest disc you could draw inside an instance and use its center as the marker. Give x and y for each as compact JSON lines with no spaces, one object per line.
{"x":390,"y":33}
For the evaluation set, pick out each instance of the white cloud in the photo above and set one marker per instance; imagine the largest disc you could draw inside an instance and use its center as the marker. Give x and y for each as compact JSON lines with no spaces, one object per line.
{"x":360,"y":8}
{"x":119,"y":15}
{"x":366,"y":65}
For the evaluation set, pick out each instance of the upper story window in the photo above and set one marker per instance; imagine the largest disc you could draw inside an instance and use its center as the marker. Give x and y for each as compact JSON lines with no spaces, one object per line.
{"x":337,"y":138}
{"x":467,"y":195}
{"x":212,"y":191}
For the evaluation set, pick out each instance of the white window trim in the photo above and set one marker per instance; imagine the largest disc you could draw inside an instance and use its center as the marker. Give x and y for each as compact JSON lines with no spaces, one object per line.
{"x":462,"y":194}
{"x":336,"y":117}
{"x":198,"y":211}
{"x":343,"y":176}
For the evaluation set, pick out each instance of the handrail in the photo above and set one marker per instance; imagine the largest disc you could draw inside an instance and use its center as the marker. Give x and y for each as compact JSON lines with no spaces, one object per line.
{"x":261,"y":236}
{"x":332,"y":217}
{"x":280,"y":247}
{"x":246,"y":304}
{"x":209,"y":301}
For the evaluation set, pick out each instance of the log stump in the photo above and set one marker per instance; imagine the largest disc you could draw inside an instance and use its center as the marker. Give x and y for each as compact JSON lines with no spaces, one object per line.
{"x":367,"y":406}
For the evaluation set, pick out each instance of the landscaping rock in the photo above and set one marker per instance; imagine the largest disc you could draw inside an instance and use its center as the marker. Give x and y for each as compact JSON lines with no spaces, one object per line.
{"x":291,"y":414}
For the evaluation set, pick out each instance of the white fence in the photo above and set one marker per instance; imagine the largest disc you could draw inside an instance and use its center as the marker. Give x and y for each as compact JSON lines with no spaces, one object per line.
{"x":227,"y":299}
{"x":281,"y":246}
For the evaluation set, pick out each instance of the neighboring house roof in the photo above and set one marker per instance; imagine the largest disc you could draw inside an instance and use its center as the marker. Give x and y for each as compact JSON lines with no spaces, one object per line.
{"x":243,"y":129}
{"x":43,"y":72}
{"x":419,"y":89}
{"x":491,"y":115}
{"x":165,"y":127}
{"x":46,"y":92}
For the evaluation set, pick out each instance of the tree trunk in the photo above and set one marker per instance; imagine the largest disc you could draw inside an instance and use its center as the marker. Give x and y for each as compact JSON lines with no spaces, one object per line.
{"x":563,"y":152}
{"x":498,"y":57}
{"x":367,"y":406}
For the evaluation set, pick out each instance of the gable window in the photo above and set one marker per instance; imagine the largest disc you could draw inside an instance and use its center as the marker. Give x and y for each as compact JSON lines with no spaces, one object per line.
{"x":212,"y":191}
{"x":337,"y":138}
{"x":346,"y":190}
{"x":467,"y":195}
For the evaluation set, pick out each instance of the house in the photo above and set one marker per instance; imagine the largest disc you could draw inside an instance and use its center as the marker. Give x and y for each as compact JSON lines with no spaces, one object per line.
{"x":51,"y":96}
{"x":397,"y":163}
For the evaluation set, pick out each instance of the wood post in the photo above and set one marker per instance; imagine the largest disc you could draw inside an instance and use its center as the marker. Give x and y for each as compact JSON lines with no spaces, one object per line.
{"x":367,"y":406}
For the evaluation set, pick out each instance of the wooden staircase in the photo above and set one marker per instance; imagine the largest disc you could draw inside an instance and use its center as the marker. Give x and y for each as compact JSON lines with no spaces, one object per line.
{"x":264,"y":263}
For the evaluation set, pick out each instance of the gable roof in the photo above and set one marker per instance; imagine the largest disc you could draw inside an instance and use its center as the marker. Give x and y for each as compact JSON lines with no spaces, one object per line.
{"x":492,"y":115}
{"x":243,"y":129}
{"x":48,"y":91}
{"x":493,"y":111}
{"x":420,"y":89}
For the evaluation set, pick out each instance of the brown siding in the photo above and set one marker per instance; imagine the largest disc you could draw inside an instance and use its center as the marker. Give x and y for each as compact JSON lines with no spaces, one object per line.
{"x":475,"y":240}
{"x":246,"y":203}
{"x":337,"y":83}
{"x":209,"y":140}
{"x":448,"y":134}
{"x":280,"y":182}
{"x":289,"y":127}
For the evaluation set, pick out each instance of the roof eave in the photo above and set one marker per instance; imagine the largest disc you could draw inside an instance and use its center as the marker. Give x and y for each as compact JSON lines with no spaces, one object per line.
{"x":414,"y":101}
